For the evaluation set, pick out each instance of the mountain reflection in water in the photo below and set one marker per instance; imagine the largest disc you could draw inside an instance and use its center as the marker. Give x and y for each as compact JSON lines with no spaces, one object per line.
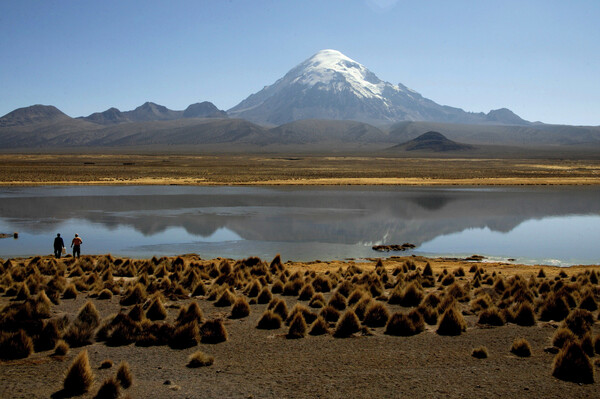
{"x":305,"y":223}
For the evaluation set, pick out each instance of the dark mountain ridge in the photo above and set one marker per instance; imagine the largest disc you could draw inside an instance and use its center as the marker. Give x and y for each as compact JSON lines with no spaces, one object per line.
{"x":432,"y":142}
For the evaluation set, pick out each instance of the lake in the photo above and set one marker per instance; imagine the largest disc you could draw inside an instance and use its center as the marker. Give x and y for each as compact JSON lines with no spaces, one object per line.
{"x":550,"y":225}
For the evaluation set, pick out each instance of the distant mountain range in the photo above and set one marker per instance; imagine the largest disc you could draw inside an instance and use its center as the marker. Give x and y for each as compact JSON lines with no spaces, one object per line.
{"x":327,"y":103}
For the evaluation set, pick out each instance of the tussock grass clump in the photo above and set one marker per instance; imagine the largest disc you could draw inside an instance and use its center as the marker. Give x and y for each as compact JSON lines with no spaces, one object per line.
{"x":377,"y":315}
{"x":269,"y":321}
{"x":525,"y":315}
{"x":293,"y":287}
{"x":338,"y":301}
{"x":136,"y":313}
{"x":480,"y":353}
{"x":562,"y":336}
{"x":491,"y":317}
{"x":110,"y":389}
{"x":61,"y":348}
{"x":297,"y":327}
{"x":589,"y":302}
{"x":200,"y":359}
{"x":306,"y":293}
{"x":404,"y":325}
{"x":579,"y":321}
{"x":79,"y":334}
{"x":190,"y":313}
{"x":428,"y":271}
{"x":347,"y":325}
{"x":124,"y":375}
{"x":309,"y":316}
{"x":572,"y":364}
{"x":521,"y":347}
{"x":88,"y":314}
{"x":213,"y":332}
{"x":227,"y":298}
{"x":122,"y":330}
{"x":330,"y":314}
{"x":361,"y":306}
{"x":279,"y":306}
{"x":431,"y":299}
{"x":587,"y":345}
{"x":448,"y":279}
{"x":240,"y":308}
{"x":317,"y":301}
{"x":277,"y":287}
{"x":483,"y":301}
{"x":185,"y":336}
{"x":199,"y":289}
{"x":412,"y":295}
{"x":70,"y":292}
{"x":321,"y":284}
{"x":134,"y":295}
{"x":355,"y":296}
{"x":253,"y":289}
{"x":541,"y":274}
{"x":156,"y":310}
{"x":264,"y":296}
{"x":430,"y":314}
{"x":16,"y":345}
{"x":452,"y":322}
{"x":554,"y":308}
{"x":105,"y":294}
{"x":48,"y":336}
{"x":319,"y":327}
{"x":79,"y":377}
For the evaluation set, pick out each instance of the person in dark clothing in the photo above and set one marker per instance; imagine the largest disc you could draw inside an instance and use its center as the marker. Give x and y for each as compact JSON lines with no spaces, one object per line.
{"x":75,"y":244}
{"x":59,"y":244}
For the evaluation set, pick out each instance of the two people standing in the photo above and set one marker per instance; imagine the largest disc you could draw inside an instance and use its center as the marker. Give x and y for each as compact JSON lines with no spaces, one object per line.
{"x":59,"y":244}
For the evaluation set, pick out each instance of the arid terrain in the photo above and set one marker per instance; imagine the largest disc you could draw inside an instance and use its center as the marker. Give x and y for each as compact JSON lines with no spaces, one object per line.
{"x":406,"y":326}
{"x":48,"y":169}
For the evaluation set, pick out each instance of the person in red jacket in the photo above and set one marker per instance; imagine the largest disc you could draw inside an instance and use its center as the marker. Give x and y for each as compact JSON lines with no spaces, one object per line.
{"x":75,"y":244}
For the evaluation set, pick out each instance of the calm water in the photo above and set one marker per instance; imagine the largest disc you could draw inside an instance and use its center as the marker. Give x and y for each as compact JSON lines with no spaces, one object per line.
{"x":551,"y":225}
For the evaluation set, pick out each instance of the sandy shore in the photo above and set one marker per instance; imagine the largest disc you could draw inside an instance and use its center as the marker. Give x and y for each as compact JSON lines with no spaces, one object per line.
{"x":253,"y":362}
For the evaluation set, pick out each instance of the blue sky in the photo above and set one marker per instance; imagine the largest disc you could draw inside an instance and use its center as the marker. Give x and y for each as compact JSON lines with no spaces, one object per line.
{"x":539,"y":58}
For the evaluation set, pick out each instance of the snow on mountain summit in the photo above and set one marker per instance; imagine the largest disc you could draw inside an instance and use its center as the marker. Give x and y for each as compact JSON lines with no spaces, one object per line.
{"x":333,"y":70}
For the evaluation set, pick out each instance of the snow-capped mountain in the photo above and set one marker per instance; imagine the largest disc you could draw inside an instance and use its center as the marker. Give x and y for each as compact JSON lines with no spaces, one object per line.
{"x":330,"y":85}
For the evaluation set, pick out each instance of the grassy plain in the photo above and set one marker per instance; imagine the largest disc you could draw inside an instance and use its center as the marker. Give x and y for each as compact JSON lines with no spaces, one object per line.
{"x":252,"y":169}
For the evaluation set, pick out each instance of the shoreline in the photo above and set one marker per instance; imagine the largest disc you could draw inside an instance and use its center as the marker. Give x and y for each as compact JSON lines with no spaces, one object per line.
{"x":437,"y":263}
{"x":325,"y":182}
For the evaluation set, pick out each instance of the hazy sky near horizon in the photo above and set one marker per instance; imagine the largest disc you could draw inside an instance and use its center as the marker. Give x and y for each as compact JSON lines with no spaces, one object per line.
{"x":540,"y":58}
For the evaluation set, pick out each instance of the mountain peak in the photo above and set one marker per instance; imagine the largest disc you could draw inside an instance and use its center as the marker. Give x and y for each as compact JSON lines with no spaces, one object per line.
{"x":330,"y":69}
{"x":432,"y":142}
{"x":33,"y":114}
{"x":505,"y":116}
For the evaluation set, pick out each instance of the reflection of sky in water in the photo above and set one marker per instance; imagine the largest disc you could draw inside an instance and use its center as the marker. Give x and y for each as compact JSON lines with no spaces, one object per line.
{"x":553,"y":240}
{"x":550,"y":225}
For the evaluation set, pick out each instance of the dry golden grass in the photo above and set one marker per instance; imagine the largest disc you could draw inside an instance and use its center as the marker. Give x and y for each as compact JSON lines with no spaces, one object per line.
{"x":265,"y":169}
{"x":79,"y":377}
